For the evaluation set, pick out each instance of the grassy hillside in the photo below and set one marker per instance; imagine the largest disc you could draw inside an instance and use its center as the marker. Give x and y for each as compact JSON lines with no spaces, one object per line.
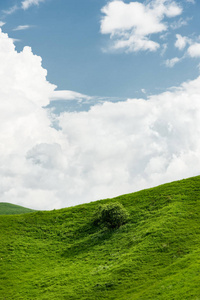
{"x":61,"y":255}
{"x":12,"y":209}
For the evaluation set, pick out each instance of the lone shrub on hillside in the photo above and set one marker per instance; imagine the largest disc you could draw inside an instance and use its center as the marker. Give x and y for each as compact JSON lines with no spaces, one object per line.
{"x":112,"y":215}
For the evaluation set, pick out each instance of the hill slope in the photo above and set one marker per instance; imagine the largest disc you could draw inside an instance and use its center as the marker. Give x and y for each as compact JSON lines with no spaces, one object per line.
{"x":61,"y":255}
{"x":12,"y":209}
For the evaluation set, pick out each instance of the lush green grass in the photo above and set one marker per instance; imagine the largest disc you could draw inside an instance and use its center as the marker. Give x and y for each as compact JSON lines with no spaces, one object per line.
{"x":12,"y":209}
{"x":61,"y":255}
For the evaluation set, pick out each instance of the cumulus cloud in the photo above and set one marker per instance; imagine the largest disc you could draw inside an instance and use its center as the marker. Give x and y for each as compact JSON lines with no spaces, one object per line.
{"x":134,"y":144}
{"x":194,"y":50}
{"x":113,"y":148}
{"x":27,"y":3}
{"x":23,"y":92}
{"x":131,"y":24}
{"x":2,"y":23}
{"x":181,"y":41}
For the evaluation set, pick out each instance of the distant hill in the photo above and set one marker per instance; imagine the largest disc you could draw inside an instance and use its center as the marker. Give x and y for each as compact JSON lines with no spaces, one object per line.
{"x":12,"y":209}
{"x":61,"y":255}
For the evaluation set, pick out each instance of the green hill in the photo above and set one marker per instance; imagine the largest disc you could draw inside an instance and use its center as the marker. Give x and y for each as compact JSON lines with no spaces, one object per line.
{"x":61,"y":255}
{"x":12,"y":209}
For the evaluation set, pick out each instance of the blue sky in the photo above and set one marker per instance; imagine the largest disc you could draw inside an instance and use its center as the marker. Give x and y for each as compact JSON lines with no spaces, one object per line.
{"x":67,"y":35}
{"x":97,"y":98}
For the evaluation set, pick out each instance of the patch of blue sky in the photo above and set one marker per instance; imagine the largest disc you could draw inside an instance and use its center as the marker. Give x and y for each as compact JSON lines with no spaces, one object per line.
{"x":67,"y":35}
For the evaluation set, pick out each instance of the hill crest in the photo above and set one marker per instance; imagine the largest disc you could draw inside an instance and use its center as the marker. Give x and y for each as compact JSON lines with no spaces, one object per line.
{"x":13,"y":209}
{"x":59,"y":254}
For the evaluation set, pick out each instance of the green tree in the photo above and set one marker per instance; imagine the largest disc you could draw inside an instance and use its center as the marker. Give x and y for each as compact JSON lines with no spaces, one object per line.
{"x":112,"y":215}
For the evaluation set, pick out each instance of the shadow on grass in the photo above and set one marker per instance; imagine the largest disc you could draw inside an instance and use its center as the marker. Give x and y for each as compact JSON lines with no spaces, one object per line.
{"x":87,"y":236}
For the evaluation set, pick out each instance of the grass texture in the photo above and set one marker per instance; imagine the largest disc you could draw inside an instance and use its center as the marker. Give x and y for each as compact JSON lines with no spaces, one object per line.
{"x":60,"y":254}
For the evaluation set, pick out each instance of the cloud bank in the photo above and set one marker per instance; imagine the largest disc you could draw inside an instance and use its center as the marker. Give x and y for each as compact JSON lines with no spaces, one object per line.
{"x":112,"y":149}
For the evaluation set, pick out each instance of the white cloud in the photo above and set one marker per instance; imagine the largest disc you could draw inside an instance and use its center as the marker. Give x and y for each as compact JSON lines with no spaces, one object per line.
{"x":143,"y":91}
{"x":27,"y":3}
{"x":68,"y":95}
{"x":136,"y":43}
{"x":2,"y":23}
{"x":112,"y":149}
{"x":130,"y":24}
{"x":137,"y":143}
{"x":22,"y":27}
{"x":164,"y":36}
{"x":23,"y":123}
{"x":164,"y":49}
{"x":181,"y":41}
{"x":180,"y":23}
{"x":170,"y":63}
{"x":194,"y":50}
{"x":11,"y":10}
{"x":15,"y":40}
